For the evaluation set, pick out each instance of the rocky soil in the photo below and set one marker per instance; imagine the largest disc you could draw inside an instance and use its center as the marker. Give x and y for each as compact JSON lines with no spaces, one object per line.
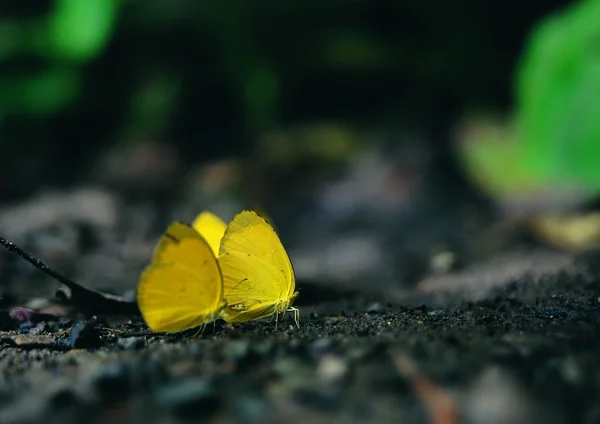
{"x":525,"y":352}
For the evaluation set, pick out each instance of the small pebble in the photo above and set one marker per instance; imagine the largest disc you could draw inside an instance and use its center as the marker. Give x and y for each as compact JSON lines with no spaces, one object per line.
{"x":374,"y":307}
{"x":83,"y":335}
{"x":112,"y":381}
{"x":250,"y":409}
{"x":263,"y":348}
{"x":26,"y":327}
{"x":332,"y":369}
{"x":192,"y":398}
{"x":236,"y":349}
{"x":63,"y":398}
{"x":131,"y":343}
{"x":153,"y":373}
{"x":320,"y":346}
{"x":323,"y":400}
{"x":44,"y":327}
{"x":194,"y":349}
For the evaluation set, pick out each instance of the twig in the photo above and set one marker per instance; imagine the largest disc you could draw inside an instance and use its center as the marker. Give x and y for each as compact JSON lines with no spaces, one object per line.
{"x":37,"y":263}
{"x":81,"y":298}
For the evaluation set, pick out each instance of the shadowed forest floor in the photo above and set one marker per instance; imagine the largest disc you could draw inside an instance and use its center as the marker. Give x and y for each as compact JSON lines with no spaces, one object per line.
{"x":524,"y":352}
{"x":507,"y":332}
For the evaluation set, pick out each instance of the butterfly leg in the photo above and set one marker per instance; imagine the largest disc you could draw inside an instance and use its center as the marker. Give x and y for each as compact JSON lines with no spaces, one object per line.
{"x":296,"y":312}
{"x":200,"y":331}
{"x":276,"y":320}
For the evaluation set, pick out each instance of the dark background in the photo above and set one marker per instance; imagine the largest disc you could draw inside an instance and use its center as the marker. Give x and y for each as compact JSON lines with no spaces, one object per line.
{"x":179,"y":72}
{"x":338,"y":119}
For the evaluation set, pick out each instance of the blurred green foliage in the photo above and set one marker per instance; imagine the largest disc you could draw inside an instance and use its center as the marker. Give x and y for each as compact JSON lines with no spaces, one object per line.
{"x":214,"y":78}
{"x":79,"y":30}
{"x":552,"y":143}
{"x":558,"y":95}
{"x":73,"y":33}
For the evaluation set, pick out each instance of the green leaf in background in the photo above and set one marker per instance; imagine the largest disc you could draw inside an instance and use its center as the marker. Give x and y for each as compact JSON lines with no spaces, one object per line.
{"x":558,"y":85}
{"x":41,"y":92}
{"x":492,"y":154}
{"x":80,"y":29}
{"x":551,"y":150}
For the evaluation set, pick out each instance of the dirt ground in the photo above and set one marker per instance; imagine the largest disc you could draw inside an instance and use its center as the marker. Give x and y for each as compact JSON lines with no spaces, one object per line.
{"x":393,"y":330}
{"x":524,"y":352}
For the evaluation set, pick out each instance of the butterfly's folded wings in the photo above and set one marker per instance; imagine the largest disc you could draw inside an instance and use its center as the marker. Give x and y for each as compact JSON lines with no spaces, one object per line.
{"x":182,"y":288}
{"x":258,"y":278}
{"x":212,"y":228}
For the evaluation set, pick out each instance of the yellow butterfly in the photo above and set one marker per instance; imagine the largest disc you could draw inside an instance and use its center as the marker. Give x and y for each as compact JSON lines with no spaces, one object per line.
{"x":182,"y":288}
{"x":258,"y":277}
{"x":212,"y":228}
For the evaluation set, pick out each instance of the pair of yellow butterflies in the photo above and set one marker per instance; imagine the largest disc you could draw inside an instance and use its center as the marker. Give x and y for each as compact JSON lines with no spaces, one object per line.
{"x":237,"y":272}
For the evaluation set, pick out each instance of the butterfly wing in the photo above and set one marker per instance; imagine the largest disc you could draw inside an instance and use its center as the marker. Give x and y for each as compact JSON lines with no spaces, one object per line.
{"x":182,"y":288}
{"x":258,"y":278}
{"x":212,"y":228}
{"x":252,"y":289}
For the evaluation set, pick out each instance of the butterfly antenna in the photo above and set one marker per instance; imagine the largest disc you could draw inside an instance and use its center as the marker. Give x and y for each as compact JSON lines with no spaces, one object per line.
{"x":38,"y":264}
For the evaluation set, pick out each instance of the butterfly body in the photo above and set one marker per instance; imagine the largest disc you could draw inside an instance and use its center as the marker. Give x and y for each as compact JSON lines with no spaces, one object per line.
{"x":258,"y":277}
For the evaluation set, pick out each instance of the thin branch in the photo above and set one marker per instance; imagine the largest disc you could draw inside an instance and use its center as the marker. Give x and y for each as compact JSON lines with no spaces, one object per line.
{"x":81,"y":298}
